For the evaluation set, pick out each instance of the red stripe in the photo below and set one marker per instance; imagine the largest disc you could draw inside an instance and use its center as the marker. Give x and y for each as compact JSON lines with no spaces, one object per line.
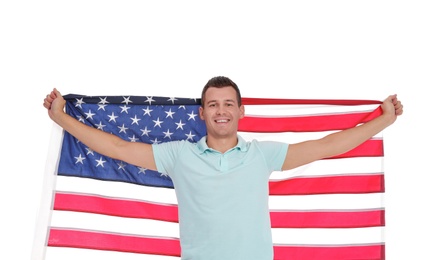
{"x":113,"y":242}
{"x":364,"y":252}
{"x":112,"y":206}
{"x":369,"y":148}
{"x":305,"y":123}
{"x":171,"y":247}
{"x":274,"y":101}
{"x":328,"y":185}
{"x":323,"y":219}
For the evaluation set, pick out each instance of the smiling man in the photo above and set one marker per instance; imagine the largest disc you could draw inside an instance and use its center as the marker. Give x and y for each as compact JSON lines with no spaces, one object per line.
{"x":221,"y":182}
{"x":221,"y":109}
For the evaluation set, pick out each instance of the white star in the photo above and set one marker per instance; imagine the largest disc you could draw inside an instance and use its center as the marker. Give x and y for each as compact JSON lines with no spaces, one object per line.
{"x":122,"y":129}
{"x":167,"y":134}
{"x":169,"y":113}
{"x":112,"y":117}
{"x":150,"y":100}
{"x":102,"y":106}
{"x":124,"y":109}
{"x":192,"y":116}
{"x":126,"y":100}
{"x":156,"y":141}
{"x":172,"y":99}
{"x":103,"y":101}
{"x":89,"y":114}
{"x":142,"y":170}
{"x":190,"y":136}
{"x":133,"y":139}
{"x":81,"y":119}
{"x":135,"y":120}
{"x":182,"y":106}
{"x":147,"y":111}
{"x":145,"y":131}
{"x":100,"y":162}
{"x":180,"y":125}
{"x":89,"y":151}
{"x":79,"y":102}
{"x":100,"y":126}
{"x":79,"y":159}
{"x":121,"y":166}
{"x":157,"y":122}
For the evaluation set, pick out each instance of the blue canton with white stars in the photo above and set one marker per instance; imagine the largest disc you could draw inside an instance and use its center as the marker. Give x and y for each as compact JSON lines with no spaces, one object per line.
{"x":150,"y":120}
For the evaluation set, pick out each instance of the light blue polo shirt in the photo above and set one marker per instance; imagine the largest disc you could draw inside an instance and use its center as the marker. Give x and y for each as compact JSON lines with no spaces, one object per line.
{"x":222,"y":197}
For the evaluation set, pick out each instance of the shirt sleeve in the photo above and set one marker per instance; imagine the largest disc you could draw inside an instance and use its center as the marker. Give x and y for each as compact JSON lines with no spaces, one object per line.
{"x":166,"y":154}
{"x":274,"y":153}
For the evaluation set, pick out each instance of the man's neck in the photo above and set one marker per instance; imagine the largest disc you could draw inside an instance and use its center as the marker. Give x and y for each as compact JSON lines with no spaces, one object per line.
{"x":221,"y":144}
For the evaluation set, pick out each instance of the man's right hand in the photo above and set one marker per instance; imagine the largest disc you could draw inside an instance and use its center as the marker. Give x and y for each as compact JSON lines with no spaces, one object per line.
{"x":54,"y":103}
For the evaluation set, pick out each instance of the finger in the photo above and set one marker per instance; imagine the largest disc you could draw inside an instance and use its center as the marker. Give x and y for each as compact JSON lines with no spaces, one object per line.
{"x":393,"y":99}
{"x":399,"y":108}
{"x":49,"y":98}
{"x":46,"y":104}
{"x":57,"y":93}
{"x":53,"y":94}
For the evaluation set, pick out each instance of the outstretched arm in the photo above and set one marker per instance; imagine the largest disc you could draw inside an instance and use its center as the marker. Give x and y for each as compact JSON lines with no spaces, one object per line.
{"x":340,"y":142}
{"x":139,"y":154}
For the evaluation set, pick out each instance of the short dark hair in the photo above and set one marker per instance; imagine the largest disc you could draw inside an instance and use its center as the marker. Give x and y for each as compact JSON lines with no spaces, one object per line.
{"x":220,"y":82}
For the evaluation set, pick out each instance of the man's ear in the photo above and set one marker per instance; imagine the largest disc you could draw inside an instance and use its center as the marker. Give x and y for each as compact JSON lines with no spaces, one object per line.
{"x":242,"y":110}
{"x":200,"y":112}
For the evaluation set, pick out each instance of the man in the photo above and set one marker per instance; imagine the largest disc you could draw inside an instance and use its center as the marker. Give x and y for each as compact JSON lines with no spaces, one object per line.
{"x":221,"y":182}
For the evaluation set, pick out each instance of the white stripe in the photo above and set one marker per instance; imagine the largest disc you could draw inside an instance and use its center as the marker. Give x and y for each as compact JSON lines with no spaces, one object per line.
{"x":116,"y":189}
{"x":344,"y":166}
{"x":98,"y":222}
{"x":285,"y":137}
{"x":143,"y":227}
{"x":329,"y":201}
{"x":331,"y":236}
{"x":167,"y":196}
{"x":317,"y":236}
{"x":301,"y":110}
{"x":63,"y":253}
{"x":289,"y":137}
{"x":45,"y":211}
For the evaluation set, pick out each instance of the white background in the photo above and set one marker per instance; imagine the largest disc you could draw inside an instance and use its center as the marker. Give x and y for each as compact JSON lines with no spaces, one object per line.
{"x":282,"y":49}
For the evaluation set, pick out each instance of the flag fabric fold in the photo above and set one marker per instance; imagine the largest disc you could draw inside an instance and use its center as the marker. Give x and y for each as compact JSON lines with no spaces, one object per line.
{"x":100,"y":207}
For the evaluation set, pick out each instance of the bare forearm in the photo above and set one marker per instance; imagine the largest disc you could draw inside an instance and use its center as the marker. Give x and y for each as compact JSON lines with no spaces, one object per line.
{"x":95,"y":139}
{"x":107,"y":144}
{"x":343,"y":141}
{"x":340,"y":142}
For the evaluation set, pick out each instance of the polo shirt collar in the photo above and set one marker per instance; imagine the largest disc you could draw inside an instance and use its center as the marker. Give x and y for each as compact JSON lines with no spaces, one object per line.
{"x":202,"y":145}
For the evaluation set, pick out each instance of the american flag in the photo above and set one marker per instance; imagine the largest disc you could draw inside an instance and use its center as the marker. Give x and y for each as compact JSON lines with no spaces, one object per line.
{"x":104,"y":208}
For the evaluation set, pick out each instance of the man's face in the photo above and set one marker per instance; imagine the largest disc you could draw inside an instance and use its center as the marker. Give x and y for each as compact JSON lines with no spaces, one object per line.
{"x":221,"y":112}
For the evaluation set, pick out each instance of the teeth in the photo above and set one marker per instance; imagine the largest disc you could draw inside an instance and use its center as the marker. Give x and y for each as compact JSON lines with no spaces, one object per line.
{"x":221,"y":121}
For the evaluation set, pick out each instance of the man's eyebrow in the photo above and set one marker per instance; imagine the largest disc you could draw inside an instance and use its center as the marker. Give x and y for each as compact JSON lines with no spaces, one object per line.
{"x":226,"y":100}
